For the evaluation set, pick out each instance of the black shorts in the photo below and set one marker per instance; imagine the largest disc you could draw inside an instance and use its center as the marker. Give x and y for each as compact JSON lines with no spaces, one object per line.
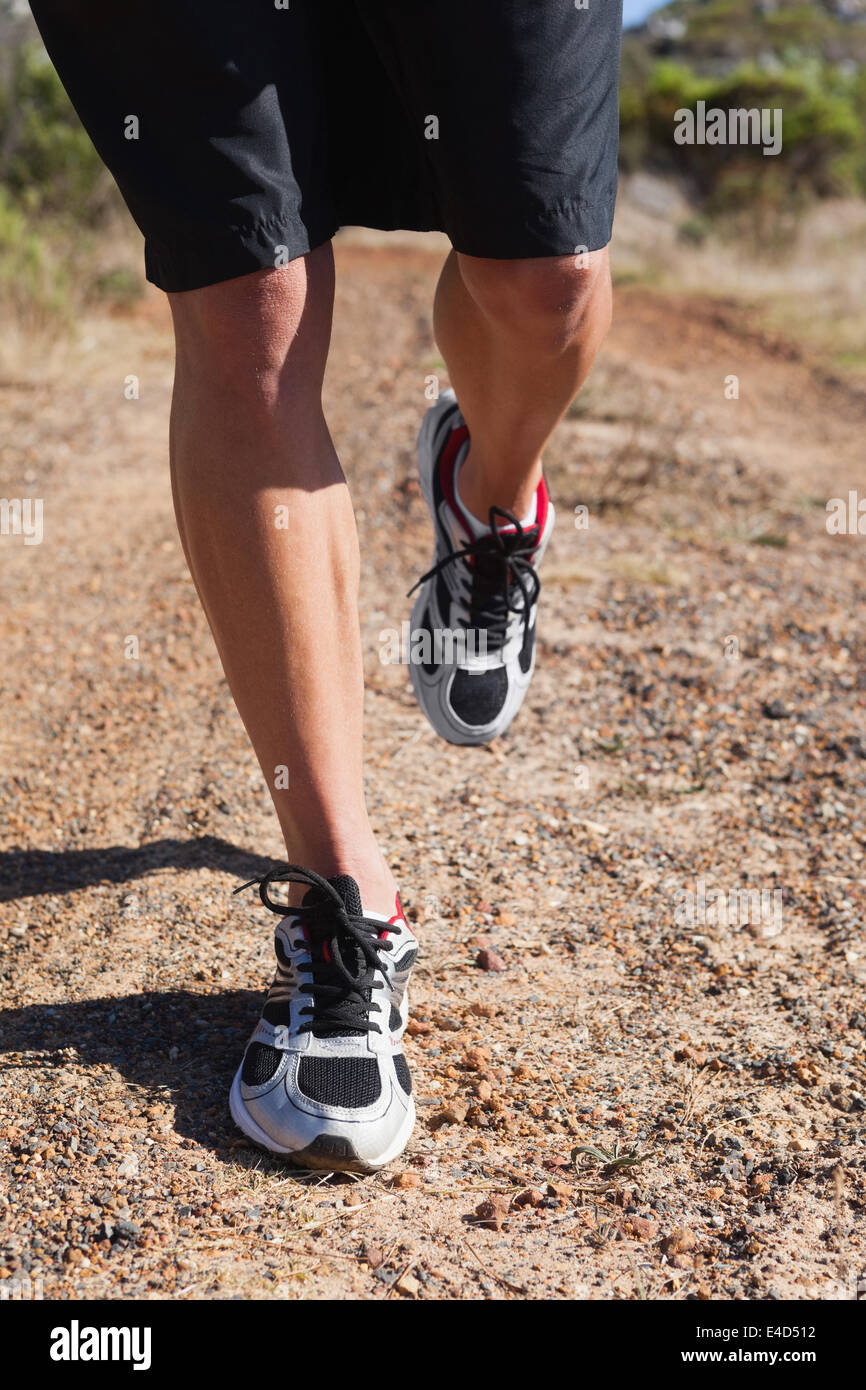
{"x":243,"y":135}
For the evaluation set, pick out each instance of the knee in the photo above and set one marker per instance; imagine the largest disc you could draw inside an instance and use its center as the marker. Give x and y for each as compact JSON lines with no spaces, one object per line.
{"x":253,"y":340}
{"x":546,"y":300}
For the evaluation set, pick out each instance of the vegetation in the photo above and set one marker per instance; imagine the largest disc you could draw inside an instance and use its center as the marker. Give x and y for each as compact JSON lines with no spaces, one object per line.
{"x":805,"y":60}
{"x":55,"y":195}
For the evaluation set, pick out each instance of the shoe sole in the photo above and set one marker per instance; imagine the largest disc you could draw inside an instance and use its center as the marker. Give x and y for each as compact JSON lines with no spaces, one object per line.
{"x":332,"y":1153}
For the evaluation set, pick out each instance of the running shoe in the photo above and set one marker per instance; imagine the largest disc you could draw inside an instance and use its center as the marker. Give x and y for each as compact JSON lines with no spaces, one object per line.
{"x":472,"y":648}
{"x":324,"y":1081}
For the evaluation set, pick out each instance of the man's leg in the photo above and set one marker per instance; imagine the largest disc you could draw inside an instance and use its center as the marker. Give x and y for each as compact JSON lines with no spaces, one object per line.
{"x":519,"y":338}
{"x":269,"y":534}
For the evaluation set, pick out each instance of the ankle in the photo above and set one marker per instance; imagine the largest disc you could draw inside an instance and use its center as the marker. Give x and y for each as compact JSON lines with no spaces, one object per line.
{"x":365,"y":864}
{"x":481,"y":488}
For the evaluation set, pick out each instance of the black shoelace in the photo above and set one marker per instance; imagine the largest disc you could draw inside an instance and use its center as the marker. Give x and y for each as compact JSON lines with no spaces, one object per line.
{"x":503,"y":572}
{"x":344,"y":954}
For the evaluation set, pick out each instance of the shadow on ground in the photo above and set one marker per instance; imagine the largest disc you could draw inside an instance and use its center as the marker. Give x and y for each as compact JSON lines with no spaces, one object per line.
{"x":30,"y":873}
{"x":188,"y":1045}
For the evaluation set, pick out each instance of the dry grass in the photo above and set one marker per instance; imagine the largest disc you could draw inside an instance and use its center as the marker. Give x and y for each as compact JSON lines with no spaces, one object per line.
{"x":809,"y":284}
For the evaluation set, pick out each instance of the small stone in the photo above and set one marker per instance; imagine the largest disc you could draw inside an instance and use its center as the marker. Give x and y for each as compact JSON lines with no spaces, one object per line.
{"x":483,"y":1090}
{"x":487,"y":1010}
{"x":416,"y":1029}
{"x":407,"y":1180}
{"x":489,"y":960}
{"x":680,"y":1241}
{"x":476,"y":1058}
{"x":493,"y":1213}
{"x":641,"y":1227}
{"x":803,"y":1146}
{"x":559,"y":1189}
{"x":453,"y":1114}
{"x":505,"y":919}
{"x":775,"y":709}
{"x":409,"y":1285}
{"x":126,"y":1230}
{"x":531,"y":1197}
{"x":374,"y":1255}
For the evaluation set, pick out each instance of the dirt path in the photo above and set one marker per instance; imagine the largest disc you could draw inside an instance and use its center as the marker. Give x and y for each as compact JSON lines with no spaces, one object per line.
{"x":698,"y":715}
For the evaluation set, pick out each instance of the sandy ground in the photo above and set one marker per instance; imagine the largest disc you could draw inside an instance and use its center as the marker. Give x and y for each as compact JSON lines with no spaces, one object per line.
{"x":697,"y":718}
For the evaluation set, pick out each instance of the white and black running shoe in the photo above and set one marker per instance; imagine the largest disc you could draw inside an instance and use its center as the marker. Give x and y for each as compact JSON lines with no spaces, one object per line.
{"x":324,"y":1081}
{"x":473,"y":623}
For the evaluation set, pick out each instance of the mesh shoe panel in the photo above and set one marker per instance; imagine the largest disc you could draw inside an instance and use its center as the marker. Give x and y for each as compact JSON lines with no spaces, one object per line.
{"x":477,"y":699}
{"x":404,"y":1076}
{"x":260,"y":1064}
{"x":351,"y":1082}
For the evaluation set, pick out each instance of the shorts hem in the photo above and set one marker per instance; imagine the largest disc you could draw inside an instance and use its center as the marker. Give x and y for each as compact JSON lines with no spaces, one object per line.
{"x":230,"y":252}
{"x":562,"y":230}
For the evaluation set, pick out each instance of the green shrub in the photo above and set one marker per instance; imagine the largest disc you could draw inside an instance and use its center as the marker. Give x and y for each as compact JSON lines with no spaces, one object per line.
{"x":36,"y":279}
{"x":49,"y":164}
{"x":823,"y":123}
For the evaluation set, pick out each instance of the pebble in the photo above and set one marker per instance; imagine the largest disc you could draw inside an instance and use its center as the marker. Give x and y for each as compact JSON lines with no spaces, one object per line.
{"x":530,"y":1197}
{"x":407,"y":1180}
{"x":680,"y":1241}
{"x":775,"y":709}
{"x":127,"y":1230}
{"x":493,"y":1212}
{"x":490,"y":960}
{"x":801,"y":1145}
{"x":643,"y":1227}
{"x":476,"y":1058}
{"x":453,"y":1114}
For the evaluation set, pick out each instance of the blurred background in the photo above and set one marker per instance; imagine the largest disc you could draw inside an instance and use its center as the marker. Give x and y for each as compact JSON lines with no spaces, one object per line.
{"x":789,"y":231}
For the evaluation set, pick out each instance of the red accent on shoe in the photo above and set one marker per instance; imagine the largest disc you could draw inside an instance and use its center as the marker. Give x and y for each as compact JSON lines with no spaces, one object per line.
{"x":399,"y":916}
{"x":446,"y":472}
{"x":542,"y":502}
